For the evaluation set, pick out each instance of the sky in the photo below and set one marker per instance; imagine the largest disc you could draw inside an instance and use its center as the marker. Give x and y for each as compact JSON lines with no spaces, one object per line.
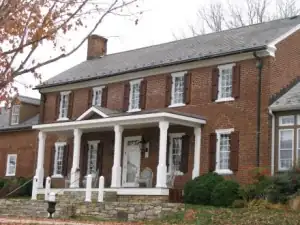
{"x":158,"y":24}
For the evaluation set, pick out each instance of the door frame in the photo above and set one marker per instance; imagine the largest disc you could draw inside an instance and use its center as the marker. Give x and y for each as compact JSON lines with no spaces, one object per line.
{"x":124,"y":165}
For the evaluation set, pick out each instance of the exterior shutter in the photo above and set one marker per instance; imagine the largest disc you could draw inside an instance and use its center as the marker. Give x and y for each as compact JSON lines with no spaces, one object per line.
{"x":214,"y":84}
{"x":212,"y":152}
{"x":187,"y":87}
{"x":66,"y":159}
{"x":143,"y":94}
{"x":184,"y":164}
{"x":70,"y":106}
{"x":100,"y":157}
{"x":57,"y":106}
{"x":51,"y":162}
{"x":168,"y":152}
{"x":234,"y":151}
{"x":83,"y":163}
{"x":168,"y":95}
{"x":90,"y":98}
{"x":126,"y":97}
{"x":42,"y":108}
{"x":236,"y":81}
{"x":104,"y":97}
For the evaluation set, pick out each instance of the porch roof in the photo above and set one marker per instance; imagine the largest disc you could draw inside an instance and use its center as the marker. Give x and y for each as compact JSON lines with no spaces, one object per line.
{"x":126,"y":118}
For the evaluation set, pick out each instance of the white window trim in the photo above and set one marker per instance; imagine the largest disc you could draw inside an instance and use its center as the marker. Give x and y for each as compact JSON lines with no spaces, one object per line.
{"x":173,"y":135}
{"x":7,"y":165}
{"x":130,"y":95}
{"x":217,"y":170}
{"x":94,"y":91}
{"x":92,"y":143}
{"x":57,"y":144}
{"x":297,"y":154}
{"x":60,"y":105}
{"x":289,"y":124}
{"x":224,"y":67}
{"x":12,"y":114}
{"x":293,"y":148}
{"x":174,"y":75}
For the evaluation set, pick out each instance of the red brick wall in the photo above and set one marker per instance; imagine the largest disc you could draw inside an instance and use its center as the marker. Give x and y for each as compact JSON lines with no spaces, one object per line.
{"x":22,"y":143}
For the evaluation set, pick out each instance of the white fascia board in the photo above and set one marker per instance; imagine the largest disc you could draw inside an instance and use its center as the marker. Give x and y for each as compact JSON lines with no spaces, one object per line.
{"x":122,"y":120}
{"x":90,"y":110}
{"x":284,"y":107}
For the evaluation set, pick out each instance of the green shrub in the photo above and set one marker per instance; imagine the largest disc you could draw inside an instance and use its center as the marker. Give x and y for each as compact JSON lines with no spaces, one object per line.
{"x":198,"y":191}
{"x":225,"y":193}
{"x":238,"y":203}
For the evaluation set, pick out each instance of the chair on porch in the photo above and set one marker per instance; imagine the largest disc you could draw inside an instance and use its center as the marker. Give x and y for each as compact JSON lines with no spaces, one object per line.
{"x":146,"y":177}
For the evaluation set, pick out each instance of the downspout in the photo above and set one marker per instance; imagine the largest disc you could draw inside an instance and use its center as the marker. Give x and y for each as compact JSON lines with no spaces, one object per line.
{"x":272,"y":143}
{"x":259,"y":66}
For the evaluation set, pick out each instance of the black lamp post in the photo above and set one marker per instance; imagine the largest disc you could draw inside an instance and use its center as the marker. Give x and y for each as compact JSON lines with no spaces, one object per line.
{"x":51,"y":204}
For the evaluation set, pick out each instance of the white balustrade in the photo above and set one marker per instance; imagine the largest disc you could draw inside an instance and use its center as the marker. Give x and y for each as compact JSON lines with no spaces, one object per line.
{"x":101,"y":189}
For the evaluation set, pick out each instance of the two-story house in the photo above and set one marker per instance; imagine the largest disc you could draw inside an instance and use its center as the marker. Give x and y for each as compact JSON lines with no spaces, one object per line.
{"x":18,"y":142}
{"x":178,"y":109}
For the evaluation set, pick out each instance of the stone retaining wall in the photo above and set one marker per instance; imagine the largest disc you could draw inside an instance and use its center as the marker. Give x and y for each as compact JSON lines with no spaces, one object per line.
{"x":107,"y":210}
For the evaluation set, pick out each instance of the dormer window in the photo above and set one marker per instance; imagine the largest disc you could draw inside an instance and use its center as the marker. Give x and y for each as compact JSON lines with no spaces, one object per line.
{"x":97,"y":96}
{"x":15,"y":114}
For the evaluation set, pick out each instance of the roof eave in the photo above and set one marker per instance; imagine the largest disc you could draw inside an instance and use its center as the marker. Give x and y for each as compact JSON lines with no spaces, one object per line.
{"x":258,"y":48}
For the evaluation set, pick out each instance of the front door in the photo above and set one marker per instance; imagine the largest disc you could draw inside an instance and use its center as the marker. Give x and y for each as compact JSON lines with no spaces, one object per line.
{"x":131,"y":161}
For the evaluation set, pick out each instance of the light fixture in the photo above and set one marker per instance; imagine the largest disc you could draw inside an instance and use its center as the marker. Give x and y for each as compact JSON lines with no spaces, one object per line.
{"x":142,"y":144}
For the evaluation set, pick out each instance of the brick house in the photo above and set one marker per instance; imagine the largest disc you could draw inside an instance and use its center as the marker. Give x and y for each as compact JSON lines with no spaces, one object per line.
{"x":177,"y":109}
{"x":17,"y":139}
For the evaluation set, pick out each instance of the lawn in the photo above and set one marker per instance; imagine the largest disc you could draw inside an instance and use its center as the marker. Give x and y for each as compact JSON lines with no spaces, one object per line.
{"x":202,"y":215}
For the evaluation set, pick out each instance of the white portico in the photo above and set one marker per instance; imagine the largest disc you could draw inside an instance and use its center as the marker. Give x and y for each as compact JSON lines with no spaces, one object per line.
{"x":117,"y":124}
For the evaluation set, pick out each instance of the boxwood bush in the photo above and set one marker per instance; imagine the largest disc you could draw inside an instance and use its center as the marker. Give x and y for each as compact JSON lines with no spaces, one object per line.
{"x":225,"y":193}
{"x":198,"y":191}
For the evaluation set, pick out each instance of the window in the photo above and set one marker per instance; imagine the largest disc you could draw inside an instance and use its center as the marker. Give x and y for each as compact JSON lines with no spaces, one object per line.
{"x":92,"y":157}
{"x":286,"y":142}
{"x":15,"y":114}
{"x":177,"y":89}
{"x":175,"y":153}
{"x":97,"y":96}
{"x":134,"y":98}
{"x":225,"y":82}
{"x":223,"y":151}
{"x":64,"y":105}
{"x":11,"y":165}
{"x":287,"y":120}
{"x":59,"y":158}
{"x":298,"y":147}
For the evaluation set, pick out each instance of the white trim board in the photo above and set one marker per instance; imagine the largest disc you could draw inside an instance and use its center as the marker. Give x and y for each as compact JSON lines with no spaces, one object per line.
{"x":89,"y":111}
{"x":122,"y":120}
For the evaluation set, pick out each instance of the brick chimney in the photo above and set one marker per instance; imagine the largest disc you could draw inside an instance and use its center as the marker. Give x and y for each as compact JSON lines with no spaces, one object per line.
{"x":97,"y":46}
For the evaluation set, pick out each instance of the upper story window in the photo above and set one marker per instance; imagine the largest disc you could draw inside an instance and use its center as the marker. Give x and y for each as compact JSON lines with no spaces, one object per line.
{"x":287,"y":120}
{"x":134,"y":96}
{"x":64,"y":105}
{"x":11,"y":165}
{"x":226,"y":82}
{"x":15,"y":114}
{"x":177,"y":97}
{"x":97,"y":96}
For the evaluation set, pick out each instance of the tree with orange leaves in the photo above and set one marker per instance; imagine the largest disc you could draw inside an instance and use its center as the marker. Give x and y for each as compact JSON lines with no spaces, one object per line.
{"x":26,"y":25}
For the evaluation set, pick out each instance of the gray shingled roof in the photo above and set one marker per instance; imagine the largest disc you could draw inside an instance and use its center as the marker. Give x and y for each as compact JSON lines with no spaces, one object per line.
{"x":249,"y":38}
{"x":29,"y":100}
{"x":288,"y":101}
{"x":5,"y":122}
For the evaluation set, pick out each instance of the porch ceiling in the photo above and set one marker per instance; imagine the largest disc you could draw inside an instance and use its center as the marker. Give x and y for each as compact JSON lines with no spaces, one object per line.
{"x":128,"y":120}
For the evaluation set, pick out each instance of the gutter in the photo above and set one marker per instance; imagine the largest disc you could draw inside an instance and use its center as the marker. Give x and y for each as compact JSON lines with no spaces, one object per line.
{"x":265,"y":47}
{"x":272,"y":143}
{"x":12,"y":129}
{"x":259,"y":66}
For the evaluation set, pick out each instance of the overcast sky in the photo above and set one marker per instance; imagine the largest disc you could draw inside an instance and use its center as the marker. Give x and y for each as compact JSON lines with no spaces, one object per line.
{"x":162,"y":18}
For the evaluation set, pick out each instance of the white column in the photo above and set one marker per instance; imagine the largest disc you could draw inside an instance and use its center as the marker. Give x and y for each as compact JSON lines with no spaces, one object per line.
{"x":162,"y":168}
{"x":75,"y":172}
{"x":40,"y":159}
{"x":197,"y":152}
{"x":116,"y":169}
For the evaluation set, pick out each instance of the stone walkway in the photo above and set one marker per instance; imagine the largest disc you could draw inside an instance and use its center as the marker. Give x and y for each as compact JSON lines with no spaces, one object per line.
{"x":19,"y":221}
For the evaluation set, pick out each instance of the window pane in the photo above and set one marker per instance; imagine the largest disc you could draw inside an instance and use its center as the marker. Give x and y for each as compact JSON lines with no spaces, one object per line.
{"x":11,"y":165}
{"x":176,"y":154}
{"x":135,"y":96}
{"x":59,"y":155}
{"x":15,"y":114}
{"x":97,"y":97}
{"x":286,"y":149}
{"x":92,"y":159}
{"x":64,"y":106}
{"x":225,"y":83}
{"x":224,"y":151}
{"x":178,"y":92}
{"x":286,"y":120}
